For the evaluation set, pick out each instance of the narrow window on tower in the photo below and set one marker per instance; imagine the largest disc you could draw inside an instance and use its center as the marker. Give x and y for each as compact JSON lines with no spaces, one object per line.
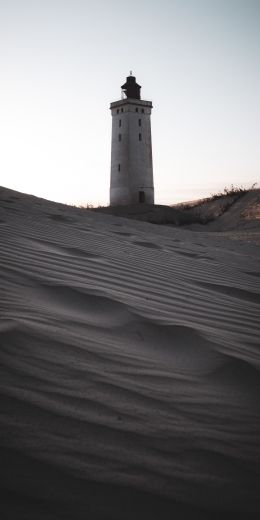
{"x":139,"y":122}
{"x":136,"y":109}
{"x":141,"y":197}
{"x":120,"y":122}
{"x":122,"y":110}
{"x":117,"y":111}
{"x":119,"y":167}
{"x":142,"y":110}
{"x":140,"y":137}
{"x":119,"y":137}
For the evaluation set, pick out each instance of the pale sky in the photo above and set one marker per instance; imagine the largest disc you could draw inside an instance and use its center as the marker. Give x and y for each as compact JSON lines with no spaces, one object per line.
{"x":63,"y":61}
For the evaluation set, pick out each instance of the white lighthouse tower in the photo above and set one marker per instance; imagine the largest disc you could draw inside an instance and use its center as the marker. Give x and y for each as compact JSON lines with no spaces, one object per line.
{"x":131,"y":179}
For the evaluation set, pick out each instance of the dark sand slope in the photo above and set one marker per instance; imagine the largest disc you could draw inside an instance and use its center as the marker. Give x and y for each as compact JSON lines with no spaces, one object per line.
{"x":129,"y":368}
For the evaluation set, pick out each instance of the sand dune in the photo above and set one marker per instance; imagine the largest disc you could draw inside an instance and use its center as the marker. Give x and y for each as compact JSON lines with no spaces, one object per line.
{"x":129,"y":367}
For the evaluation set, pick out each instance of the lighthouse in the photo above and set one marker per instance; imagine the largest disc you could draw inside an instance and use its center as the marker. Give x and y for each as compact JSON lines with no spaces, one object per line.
{"x":131,"y":180}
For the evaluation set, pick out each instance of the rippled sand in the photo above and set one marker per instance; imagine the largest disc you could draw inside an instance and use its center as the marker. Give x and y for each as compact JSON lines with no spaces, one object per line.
{"x":129,"y":368}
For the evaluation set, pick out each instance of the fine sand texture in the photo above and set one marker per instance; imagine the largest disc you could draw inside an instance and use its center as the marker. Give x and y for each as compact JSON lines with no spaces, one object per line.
{"x":129,"y":367}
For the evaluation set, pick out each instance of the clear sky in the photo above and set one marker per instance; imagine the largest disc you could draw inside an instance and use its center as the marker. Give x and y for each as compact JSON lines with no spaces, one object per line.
{"x":62,"y":62}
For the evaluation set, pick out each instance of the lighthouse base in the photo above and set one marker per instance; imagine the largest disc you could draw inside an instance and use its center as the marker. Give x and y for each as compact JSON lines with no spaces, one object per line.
{"x":124,"y":196}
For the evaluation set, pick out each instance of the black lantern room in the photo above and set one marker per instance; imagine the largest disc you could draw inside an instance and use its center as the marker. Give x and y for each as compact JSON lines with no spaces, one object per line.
{"x":131,"y":89}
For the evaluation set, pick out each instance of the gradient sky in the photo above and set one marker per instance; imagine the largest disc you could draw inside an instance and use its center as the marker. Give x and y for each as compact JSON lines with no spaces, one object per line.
{"x":62,"y":62}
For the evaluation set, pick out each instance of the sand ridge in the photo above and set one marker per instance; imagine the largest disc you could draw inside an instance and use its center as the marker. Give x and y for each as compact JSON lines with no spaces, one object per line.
{"x":129,"y":367}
